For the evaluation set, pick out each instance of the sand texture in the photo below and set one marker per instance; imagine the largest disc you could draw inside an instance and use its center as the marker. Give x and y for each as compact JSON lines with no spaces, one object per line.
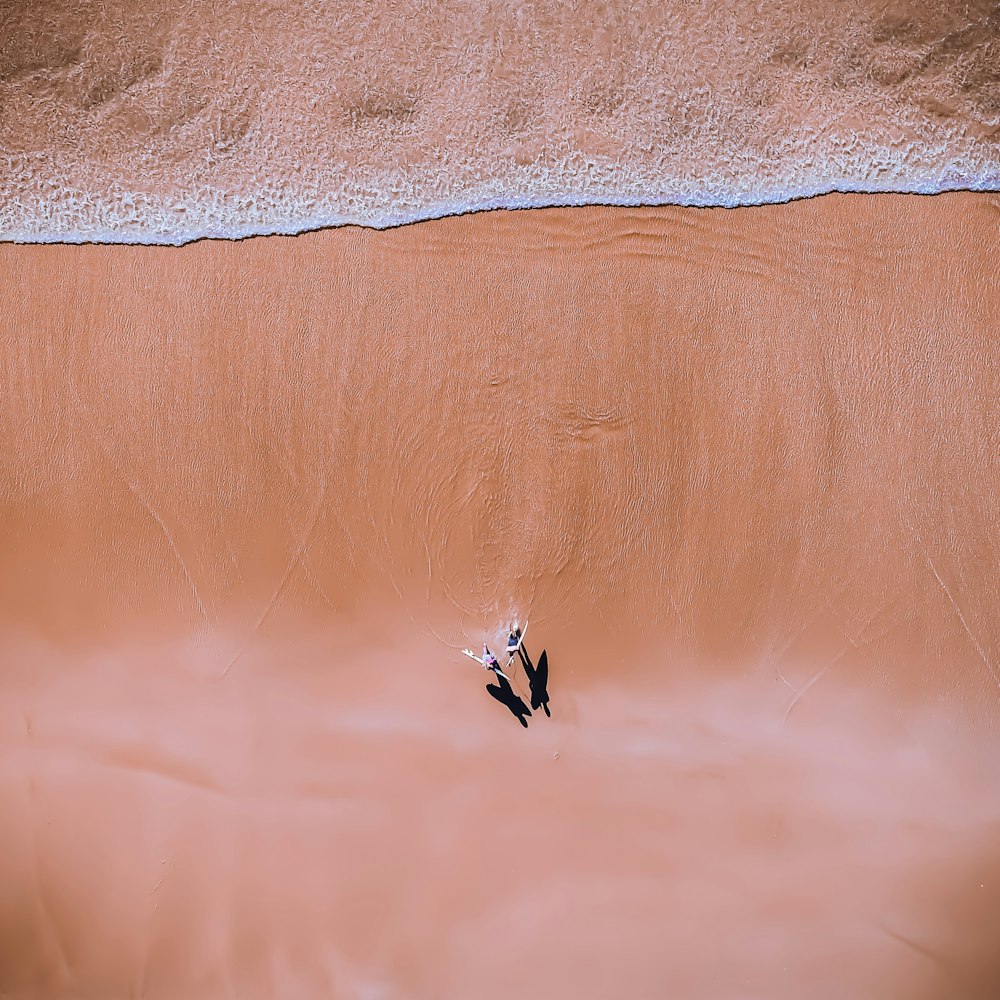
{"x":739,"y":469}
{"x":163,"y":121}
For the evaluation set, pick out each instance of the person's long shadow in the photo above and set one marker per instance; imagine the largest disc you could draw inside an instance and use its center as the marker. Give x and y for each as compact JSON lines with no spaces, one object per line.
{"x":506,"y":695}
{"x":538,"y":679}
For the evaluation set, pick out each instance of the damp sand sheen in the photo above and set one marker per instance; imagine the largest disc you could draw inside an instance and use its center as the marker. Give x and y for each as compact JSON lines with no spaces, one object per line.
{"x":737,"y":466}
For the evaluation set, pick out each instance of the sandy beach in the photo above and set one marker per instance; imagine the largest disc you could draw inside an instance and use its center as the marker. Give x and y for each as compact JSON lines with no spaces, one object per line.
{"x":737,"y":468}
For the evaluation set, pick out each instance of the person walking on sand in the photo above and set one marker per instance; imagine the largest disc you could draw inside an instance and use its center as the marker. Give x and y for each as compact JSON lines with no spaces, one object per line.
{"x":489,"y":661}
{"x":514,"y":641}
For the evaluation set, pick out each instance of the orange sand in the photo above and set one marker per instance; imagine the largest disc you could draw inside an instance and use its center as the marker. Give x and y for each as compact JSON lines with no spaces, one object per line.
{"x":738,"y":467}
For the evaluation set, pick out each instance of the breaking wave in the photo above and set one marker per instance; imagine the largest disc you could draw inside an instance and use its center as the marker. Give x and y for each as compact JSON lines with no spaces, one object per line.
{"x":158,"y":125}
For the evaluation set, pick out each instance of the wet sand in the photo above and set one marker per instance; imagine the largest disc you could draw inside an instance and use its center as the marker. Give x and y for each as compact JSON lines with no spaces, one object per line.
{"x":738,"y":468}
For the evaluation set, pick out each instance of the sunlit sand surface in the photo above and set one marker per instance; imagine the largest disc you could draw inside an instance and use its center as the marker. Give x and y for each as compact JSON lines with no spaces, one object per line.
{"x":738,"y":470}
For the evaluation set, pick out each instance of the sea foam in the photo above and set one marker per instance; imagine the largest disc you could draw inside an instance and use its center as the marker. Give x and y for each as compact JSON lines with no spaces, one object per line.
{"x":153,"y":125}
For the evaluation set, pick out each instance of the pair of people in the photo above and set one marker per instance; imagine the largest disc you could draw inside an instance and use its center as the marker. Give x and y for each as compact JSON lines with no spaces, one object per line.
{"x":537,"y":676}
{"x":513,"y":643}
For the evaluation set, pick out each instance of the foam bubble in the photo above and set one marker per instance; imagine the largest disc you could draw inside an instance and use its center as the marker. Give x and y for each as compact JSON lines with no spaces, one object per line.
{"x":167,"y":126}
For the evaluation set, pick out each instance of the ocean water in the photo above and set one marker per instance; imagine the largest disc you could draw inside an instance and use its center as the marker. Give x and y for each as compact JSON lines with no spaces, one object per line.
{"x":160,"y":123}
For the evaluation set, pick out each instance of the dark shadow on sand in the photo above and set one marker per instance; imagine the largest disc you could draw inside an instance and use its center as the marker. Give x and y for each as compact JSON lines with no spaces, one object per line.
{"x":538,"y":679}
{"x":506,"y":695}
